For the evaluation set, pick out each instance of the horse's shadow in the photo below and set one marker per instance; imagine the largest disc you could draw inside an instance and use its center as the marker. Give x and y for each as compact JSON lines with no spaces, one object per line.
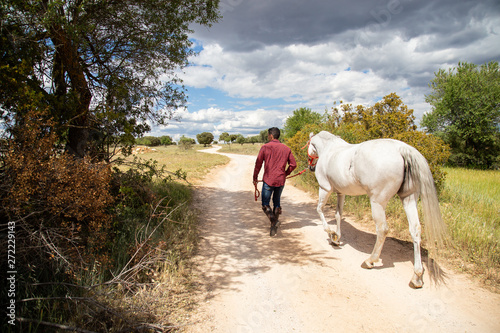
{"x":395,"y":250}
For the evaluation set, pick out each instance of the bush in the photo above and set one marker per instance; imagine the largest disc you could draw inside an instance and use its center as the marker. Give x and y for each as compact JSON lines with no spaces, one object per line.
{"x":87,"y":238}
{"x":59,"y":207}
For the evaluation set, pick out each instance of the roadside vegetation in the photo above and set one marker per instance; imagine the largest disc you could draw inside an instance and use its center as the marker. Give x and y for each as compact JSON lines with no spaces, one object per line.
{"x":98,"y":243}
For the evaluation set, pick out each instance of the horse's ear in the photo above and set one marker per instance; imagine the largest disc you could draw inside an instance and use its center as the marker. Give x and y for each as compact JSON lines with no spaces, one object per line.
{"x":311,"y":135}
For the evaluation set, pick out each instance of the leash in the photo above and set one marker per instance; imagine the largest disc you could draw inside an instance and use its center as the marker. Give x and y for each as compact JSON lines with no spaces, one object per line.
{"x":257,"y":192}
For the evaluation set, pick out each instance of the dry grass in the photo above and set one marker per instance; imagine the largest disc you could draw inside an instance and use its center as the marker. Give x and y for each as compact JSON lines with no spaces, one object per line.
{"x":243,"y":149}
{"x":191,"y":161}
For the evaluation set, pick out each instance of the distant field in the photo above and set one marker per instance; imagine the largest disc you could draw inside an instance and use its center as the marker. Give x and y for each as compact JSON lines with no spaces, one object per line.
{"x":196,"y":164}
{"x":244,"y":149}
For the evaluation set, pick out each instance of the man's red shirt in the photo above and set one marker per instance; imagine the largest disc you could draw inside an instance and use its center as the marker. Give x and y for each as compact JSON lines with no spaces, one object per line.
{"x":276,"y":156}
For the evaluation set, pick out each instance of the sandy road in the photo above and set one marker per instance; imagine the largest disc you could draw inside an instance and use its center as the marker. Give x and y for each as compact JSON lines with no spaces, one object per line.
{"x":297,"y":282}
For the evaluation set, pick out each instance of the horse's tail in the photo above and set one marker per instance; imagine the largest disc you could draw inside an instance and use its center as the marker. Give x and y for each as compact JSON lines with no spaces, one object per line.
{"x":418,"y":174}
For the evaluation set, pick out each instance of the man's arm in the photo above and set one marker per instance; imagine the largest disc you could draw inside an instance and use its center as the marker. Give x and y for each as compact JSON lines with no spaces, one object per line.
{"x":258,"y":164}
{"x":291,"y":164}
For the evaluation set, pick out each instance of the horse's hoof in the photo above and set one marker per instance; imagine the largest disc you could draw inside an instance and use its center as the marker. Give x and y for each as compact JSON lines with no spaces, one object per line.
{"x":367,"y":265}
{"x":334,"y":239}
{"x":416,"y":284}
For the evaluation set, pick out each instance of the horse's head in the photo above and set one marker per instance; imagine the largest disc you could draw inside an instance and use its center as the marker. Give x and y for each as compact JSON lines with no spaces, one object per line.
{"x":312,"y":153}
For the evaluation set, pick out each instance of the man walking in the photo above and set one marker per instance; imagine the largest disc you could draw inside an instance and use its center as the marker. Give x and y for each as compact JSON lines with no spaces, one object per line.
{"x":275,"y":156}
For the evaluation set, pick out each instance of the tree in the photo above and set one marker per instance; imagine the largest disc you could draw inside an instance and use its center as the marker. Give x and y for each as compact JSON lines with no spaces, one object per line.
{"x":240,"y":139}
{"x":466,"y":113}
{"x":233,"y":137}
{"x":254,"y":139}
{"x":224,"y":137}
{"x":166,"y":140}
{"x":389,"y":118}
{"x":110,"y":65}
{"x":205,"y":138}
{"x":298,"y":120}
{"x":263,"y":136}
{"x":385,"y":119}
{"x":186,"y":143}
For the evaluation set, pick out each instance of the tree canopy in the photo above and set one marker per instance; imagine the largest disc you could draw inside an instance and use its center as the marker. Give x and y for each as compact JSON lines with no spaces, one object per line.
{"x":299,"y":119}
{"x":466,"y":113}
{"x":205,"y":138}
{"x":105,"y":69}
{"x":388,"y":118}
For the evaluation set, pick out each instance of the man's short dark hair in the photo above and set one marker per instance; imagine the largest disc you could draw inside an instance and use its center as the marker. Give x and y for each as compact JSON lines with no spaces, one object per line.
{"x":275,"y":132}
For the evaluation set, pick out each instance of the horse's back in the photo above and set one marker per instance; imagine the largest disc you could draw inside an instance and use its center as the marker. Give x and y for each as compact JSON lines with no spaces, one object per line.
{"x":379,"y":165}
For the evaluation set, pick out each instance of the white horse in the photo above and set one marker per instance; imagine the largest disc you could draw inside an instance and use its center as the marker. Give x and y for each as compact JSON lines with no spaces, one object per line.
{"x":379,"y":168}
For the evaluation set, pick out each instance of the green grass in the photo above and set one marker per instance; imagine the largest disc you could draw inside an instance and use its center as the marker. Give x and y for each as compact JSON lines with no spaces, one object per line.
{"x":193,"y":162}
{"x":470,"y":204}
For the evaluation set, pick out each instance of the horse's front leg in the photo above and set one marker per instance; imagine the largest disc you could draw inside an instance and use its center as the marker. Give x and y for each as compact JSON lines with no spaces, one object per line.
{"x":323,"y":198}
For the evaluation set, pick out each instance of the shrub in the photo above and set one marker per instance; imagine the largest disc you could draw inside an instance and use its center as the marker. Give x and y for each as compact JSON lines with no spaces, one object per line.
{"x":59,"y":206}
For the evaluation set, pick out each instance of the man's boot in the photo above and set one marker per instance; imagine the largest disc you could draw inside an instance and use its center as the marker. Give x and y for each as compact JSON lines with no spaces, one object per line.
{"x":274,"y":221}
{"x":277,"y":212}
{"x":269,"y":212}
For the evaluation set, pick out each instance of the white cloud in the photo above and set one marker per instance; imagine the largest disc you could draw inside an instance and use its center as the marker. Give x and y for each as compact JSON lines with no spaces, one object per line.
{"x":311,"y":54}
{"x":216,"y":121}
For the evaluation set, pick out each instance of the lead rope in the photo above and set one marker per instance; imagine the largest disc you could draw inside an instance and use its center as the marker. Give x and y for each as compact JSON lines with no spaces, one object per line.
{"x":257,"y":192}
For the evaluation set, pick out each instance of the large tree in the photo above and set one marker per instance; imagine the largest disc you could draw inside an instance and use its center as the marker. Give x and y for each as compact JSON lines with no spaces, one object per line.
{"x":104,"y":68}
{"x":205,"y":138}
{"x":300,"y":118}
{"x":466,"y":113}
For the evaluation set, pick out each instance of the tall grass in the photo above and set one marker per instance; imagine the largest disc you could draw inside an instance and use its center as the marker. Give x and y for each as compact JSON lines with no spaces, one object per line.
{"x":144,"y":283}
{"x":470,"y":204}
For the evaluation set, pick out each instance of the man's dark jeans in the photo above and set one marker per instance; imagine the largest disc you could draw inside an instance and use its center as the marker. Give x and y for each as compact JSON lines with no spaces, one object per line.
{"x":274,"y":191}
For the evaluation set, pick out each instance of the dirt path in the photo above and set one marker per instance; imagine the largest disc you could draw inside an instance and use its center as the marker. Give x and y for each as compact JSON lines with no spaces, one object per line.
{"x":297,"y":282}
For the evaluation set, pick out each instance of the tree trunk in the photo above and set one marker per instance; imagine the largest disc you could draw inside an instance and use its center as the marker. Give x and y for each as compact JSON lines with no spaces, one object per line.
{"x":78,"y":125}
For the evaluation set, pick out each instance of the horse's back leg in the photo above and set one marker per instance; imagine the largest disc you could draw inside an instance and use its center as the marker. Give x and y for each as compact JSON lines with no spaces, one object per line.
{"x":338,"y":217}
{"x":378,"y":214}
{"x":323,"y":198}
{"x":410,"y":206}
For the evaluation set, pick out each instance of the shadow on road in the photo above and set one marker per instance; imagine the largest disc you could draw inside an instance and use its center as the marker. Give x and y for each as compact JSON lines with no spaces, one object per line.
{"x":234,"y":238}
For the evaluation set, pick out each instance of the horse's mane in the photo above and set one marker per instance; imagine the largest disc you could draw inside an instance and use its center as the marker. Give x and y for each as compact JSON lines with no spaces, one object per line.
{"x":328,"y":136}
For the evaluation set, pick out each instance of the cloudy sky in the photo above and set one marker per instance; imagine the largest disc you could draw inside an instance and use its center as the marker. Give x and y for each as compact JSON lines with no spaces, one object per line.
{"x":266,"y":58}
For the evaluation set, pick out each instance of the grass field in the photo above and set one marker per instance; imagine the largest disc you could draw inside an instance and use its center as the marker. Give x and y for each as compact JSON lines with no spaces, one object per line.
{"x":191,"y":161}
{"x":245,"y":149}
{"x":470,"y":204}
